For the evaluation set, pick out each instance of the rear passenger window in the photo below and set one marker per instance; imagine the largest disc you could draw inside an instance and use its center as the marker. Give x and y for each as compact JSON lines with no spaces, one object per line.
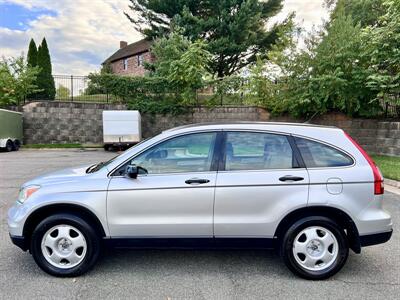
{"x":317,"y":155}
{"x":257,"y":151}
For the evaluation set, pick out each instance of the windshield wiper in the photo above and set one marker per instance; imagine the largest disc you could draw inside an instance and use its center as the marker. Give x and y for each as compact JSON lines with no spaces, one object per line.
{"x":98,"y":166}
{"x":95,"y":167}
{"x":88,"y":170}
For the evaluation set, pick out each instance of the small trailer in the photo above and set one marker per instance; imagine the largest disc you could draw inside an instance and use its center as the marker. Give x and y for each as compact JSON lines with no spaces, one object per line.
{"x":121,"y":128}
{"x":10,"y":130}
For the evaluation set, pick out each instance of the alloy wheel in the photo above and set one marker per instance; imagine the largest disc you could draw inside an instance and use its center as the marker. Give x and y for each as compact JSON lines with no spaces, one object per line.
{"x":64,"y":246}
{"x":315,"y":248}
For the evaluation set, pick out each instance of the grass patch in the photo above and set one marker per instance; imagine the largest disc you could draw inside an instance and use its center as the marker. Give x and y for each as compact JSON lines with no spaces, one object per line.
{"x":42,"y":146}
{"x":100,"y":98}
{"x":389,"y":166}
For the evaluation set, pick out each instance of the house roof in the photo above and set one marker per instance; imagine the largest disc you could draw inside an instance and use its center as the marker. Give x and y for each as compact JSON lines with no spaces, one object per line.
{"x":130,"y":50}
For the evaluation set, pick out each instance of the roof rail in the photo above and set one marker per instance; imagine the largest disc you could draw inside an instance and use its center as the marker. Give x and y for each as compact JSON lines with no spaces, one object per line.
{"x":247,"y":122}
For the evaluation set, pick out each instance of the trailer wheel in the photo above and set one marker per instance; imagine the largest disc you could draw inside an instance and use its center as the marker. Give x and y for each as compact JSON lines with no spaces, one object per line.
{"x":9,"y":146}
{"x":16,"y":145}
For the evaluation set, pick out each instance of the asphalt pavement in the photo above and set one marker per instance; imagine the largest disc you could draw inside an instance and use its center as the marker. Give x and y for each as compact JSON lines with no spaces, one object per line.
{"x":184,"y":274}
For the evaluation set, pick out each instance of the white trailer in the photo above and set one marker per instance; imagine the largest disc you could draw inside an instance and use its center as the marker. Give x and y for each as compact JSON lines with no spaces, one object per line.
{"x":121,"y":128}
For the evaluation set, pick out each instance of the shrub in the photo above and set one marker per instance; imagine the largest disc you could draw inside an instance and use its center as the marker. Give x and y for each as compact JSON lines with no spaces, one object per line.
{"x":17,"y":80}
{"x":147,"y":94}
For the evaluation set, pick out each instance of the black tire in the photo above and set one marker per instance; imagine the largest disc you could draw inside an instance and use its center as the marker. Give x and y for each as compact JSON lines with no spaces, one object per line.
{"x":90,"y":235}
{"x":287,"y":245}
{"x":9,"y":146}
{"x":16,"y":145}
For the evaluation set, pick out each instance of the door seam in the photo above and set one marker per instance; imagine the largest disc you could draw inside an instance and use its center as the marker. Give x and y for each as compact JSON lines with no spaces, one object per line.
{"x":108,"y":226}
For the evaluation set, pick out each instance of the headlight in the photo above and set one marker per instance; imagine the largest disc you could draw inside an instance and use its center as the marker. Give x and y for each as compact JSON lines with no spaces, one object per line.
{"x":26,"y":192}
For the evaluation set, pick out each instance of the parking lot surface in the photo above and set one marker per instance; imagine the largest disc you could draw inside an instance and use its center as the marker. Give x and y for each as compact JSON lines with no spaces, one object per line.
{"x":171,"y":274}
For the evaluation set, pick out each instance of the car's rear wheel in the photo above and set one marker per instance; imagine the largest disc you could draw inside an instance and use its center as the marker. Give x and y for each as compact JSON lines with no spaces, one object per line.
{"x":16,"y":145}
{"x":315,"y":248}
{"x":65,"y":245}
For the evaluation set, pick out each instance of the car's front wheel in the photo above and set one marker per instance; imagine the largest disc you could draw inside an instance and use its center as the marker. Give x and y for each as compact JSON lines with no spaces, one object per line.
{"x":315,"y":248}
{"x":65,"y":245}
{"x":9,"y":146}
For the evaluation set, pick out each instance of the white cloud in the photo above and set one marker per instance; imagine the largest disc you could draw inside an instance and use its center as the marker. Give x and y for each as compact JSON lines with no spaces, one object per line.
{"x":80,"y":36}
{"x":85,"y":32}
{"x":309,"y":13}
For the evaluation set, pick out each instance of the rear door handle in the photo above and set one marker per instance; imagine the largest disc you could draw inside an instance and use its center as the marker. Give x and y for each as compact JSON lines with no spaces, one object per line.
{"x":197,"y":181}
{"x":291,"y":178}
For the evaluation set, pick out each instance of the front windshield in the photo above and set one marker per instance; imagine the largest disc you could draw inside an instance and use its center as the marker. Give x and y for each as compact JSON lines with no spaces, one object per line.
{"x":102,"y":164}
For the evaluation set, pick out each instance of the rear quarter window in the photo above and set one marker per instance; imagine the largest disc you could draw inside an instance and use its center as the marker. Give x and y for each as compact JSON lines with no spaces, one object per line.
{"x":317,"y":155}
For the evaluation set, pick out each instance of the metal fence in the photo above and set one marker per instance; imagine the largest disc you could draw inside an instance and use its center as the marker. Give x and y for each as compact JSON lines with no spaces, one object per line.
{"x":79,"y":89}
{"x":391,"y":107}
{"x":76,"y":88}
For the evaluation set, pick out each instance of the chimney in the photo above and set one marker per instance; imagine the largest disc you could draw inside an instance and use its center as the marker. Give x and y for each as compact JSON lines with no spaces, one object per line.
{"x":122,"y":44}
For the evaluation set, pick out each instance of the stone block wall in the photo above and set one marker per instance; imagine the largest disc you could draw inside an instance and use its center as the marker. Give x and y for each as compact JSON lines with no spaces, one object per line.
{"x":375,"y":136}
{"x":64,"y":122}
{"x":73,"y":122}
{"x":154,"y":124}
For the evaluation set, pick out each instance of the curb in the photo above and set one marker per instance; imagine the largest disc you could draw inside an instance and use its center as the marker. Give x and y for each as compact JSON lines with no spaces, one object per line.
{"x":392,"y":182}
{"x":61,"y":149}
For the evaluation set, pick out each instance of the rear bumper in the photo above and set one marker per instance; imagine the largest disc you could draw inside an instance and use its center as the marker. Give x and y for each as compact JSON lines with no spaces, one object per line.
{"x":19,"y":241}
{"x":375,"y":239}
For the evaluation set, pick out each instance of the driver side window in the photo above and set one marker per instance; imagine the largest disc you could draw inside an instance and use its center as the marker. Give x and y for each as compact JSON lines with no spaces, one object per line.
{"x":187,"y":153}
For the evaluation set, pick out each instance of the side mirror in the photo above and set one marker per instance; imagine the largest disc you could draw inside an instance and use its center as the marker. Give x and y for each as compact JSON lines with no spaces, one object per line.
{"x":132,"y":171}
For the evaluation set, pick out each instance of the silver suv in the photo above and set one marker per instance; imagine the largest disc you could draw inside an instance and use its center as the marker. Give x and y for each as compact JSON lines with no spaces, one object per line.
{"x":310,"y":192}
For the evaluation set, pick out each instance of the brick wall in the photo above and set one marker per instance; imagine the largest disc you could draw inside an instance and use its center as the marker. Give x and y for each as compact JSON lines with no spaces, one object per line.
{"x":133,"y":68}
{"x":69,"y":122}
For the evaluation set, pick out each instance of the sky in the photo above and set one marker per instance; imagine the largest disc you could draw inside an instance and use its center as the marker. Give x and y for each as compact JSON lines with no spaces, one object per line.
{"x":81,"y":34}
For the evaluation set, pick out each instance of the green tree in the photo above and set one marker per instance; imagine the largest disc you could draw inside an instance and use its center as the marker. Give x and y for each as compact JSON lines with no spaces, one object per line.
{"x":62,"y":92}
{"x":167,"y":50}
{"x":382,"y":48}
{"x":330,"y":74}
{"x":260,"y":86}
{"x":17,"y":80}
{"x":92,"y":87}
{"x":106,"y":68}
{"x":182,"y":62}
{"x":363,"y":12}
{"x":189,"y":71}
{"x":235,"y":30}
{"x":32,"y":56}
{"x":45,"y":80}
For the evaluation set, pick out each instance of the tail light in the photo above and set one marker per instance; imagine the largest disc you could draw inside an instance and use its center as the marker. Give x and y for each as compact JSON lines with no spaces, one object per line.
{"x":378,"y":179}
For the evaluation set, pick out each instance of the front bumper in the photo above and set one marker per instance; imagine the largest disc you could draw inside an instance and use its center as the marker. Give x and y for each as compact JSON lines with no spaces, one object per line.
{"x":16,"y":217}
{"x":375,"y":239}
{"x":19,"y":241}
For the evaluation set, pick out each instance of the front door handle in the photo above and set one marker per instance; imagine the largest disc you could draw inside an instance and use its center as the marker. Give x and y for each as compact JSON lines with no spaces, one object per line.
{"x":291,"y":178}
{"x":197,"y":181}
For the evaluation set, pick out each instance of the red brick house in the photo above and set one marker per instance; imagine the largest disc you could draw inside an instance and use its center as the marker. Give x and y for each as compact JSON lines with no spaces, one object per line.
{"x":129,"y":59}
